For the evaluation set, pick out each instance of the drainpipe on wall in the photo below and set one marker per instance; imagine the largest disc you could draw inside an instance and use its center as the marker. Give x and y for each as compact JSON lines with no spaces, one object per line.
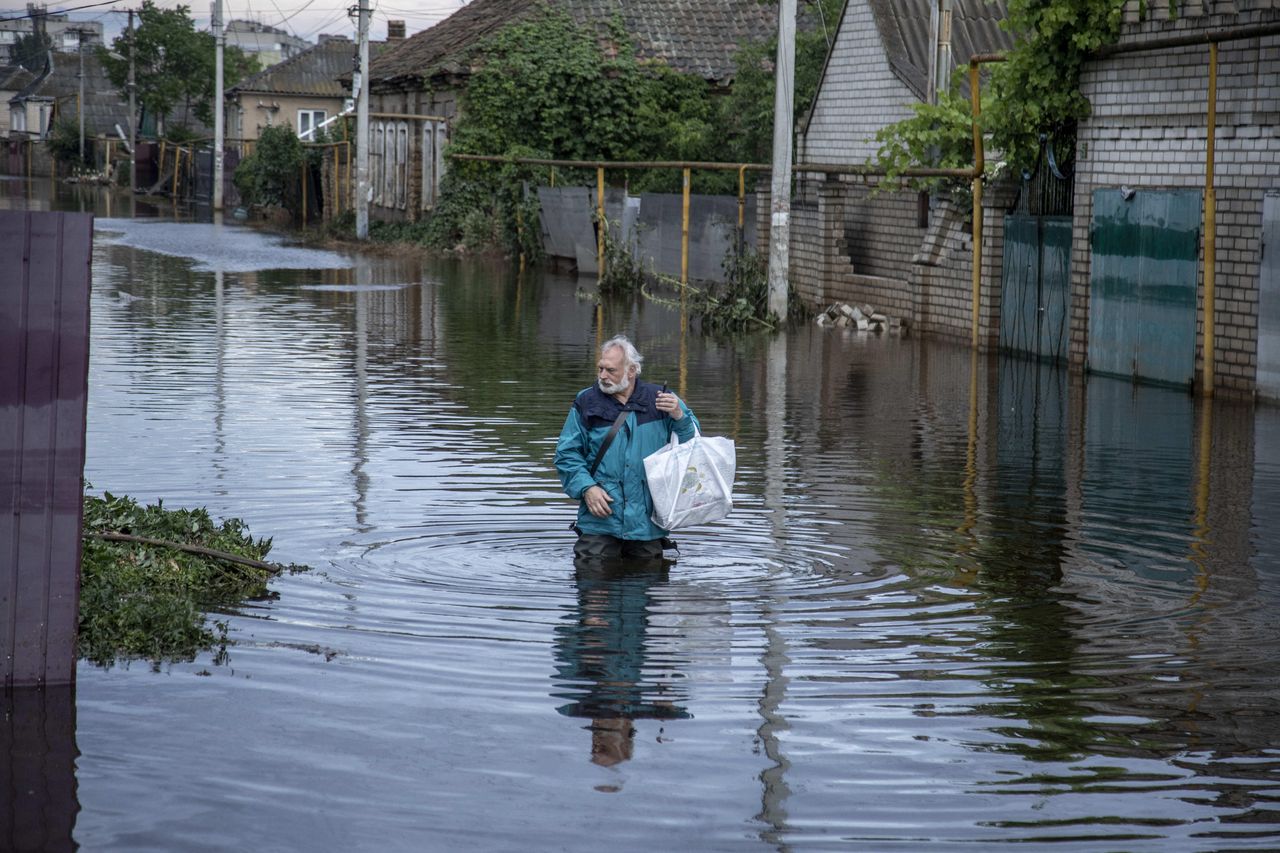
{"x":1210,"y":224}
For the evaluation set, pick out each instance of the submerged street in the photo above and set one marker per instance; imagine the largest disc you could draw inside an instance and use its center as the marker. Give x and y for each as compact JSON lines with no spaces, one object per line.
{"x":962,"y":600}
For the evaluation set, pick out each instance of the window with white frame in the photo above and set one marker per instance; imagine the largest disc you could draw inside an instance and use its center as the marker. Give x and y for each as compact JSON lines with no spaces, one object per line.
{"x":308,"y":121}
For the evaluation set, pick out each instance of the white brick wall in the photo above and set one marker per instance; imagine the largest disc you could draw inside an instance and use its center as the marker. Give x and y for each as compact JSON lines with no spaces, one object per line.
{"x":1147,"y":130}
{"x":858,"y":95}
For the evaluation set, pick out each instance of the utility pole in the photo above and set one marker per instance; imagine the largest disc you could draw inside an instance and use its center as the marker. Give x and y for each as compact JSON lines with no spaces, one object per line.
{"x":219,"y":131}
{"x":780,"y":198}
{"x":80,"y":34}
{"x":133,"y":113}
{"x":361,"y":82}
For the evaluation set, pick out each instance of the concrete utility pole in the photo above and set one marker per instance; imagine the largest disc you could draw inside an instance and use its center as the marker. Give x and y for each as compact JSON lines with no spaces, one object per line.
{"x":361,"y":82}
{"x":219,"y":131}
{"x":780,"y":198}
{"x":80,"y":34}
{"x":133,"y":113}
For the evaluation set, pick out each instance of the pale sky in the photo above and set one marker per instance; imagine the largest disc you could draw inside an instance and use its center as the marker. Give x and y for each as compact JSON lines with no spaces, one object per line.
{"x":303,"y":18}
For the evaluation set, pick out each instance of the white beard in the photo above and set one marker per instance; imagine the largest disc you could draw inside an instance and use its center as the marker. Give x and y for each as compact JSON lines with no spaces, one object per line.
{"x":622,"y":385}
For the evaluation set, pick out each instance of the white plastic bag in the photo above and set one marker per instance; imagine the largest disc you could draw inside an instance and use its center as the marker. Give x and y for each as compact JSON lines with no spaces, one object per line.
{"x":691,"y":483}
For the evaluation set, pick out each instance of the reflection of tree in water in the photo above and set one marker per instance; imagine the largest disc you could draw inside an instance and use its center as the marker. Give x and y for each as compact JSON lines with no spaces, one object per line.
{"x":602,"y":664}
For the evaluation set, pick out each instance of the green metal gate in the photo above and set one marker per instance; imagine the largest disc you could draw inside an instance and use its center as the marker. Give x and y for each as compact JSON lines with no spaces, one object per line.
{"x":1037,"y":272}
{"x":1145,"y":247}
{"x":1037,"y":260}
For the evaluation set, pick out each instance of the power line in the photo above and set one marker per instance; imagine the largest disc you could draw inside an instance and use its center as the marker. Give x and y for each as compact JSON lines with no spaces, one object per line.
{"x":59,"y":11}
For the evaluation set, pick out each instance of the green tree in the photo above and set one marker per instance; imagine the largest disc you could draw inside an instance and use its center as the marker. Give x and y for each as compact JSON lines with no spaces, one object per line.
{"x":31,"y":51}
{"x":546,"y":89}
{"x":269,"y":175}
{"x":1034,"y":92}
{"x":173,"y":63}
{"x":745,"y":115}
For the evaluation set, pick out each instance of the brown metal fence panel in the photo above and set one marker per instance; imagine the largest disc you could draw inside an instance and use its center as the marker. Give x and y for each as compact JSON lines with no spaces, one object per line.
{"x":44,"y":366}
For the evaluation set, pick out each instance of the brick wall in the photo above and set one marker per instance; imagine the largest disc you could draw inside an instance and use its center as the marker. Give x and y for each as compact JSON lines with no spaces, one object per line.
{"x":1148,"y":130}
{"x":859,"y":95}
{"x":934,"y":289}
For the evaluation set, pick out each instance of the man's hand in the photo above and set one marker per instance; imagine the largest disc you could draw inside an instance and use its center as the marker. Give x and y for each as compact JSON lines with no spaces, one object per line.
{"x":598,"y":501}
{"x":670,"y":403}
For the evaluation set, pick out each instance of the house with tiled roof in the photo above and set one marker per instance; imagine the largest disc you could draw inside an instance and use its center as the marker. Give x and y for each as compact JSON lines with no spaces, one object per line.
{"x":426,"y":74}
{"x":13,"y":79}
{"x":55,"y":94}
{"x":850,"y":242}
{"x":303,"y":91}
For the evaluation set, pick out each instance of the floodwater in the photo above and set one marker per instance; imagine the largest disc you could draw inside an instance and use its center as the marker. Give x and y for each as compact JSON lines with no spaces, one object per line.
{"x":961,"y":602}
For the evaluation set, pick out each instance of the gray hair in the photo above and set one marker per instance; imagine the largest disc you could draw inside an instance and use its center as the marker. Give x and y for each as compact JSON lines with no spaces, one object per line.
{"x":629,"y":353}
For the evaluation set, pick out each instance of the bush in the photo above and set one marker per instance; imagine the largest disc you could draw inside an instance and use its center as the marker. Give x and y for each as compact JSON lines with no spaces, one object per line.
{"x":271,"y":174}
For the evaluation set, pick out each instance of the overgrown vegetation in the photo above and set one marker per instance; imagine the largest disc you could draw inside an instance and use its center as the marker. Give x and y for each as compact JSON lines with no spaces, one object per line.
{"x":544,"y":89}
{"x":269,"y":176}
{"x":64,"y":143}
{"x":1035,"y":92}
{"x":149,"y":602}
{"x":738,"y":304}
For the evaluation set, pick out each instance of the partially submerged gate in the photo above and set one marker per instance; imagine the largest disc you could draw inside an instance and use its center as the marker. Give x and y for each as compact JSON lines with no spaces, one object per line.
{"x":1037,"y":263}
{"x":1268,"y":382}
{"x":1145,"y":247}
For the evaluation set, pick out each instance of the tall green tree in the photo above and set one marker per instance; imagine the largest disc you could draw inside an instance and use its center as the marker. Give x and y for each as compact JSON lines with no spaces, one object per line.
{"x":174,"y":64}
{"x":31,"y":50}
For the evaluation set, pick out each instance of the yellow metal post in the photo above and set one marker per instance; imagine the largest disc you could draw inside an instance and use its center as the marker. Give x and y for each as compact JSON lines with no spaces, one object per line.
{"x":1210,"y":225}
{"x":742,"y":206}
{"x":600,"y":220}
{"x":684,"y":229}
{"x":979,"y":165}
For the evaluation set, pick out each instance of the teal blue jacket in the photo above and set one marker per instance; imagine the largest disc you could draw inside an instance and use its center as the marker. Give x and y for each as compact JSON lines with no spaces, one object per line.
{"x":621,"y":471}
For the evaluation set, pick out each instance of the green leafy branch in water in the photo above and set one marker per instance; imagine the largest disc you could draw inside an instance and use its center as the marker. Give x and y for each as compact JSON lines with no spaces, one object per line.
{"x":738,"y":304}
{"x":148,"y":599}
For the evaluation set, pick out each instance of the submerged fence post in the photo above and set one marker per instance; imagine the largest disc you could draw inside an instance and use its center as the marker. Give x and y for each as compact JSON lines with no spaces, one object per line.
{"x":684,"y":228}
{"x":44,"y":348}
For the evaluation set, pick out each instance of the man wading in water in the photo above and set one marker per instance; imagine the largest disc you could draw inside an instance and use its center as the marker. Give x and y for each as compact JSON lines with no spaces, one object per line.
{"x":630,"y":419}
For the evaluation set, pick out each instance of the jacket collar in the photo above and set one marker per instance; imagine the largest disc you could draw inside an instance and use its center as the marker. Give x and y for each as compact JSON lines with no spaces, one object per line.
{"x":599,"y":404}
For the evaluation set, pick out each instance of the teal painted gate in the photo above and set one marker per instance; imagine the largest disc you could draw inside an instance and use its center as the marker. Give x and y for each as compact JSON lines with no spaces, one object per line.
{"x":1037,"y":272}
{"x":1145,"y":248}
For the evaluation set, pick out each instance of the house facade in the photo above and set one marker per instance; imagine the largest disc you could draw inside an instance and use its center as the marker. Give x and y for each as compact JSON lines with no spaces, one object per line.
{"x":302,"y":92}
{"x":270,"y":44}
{"x":1141,"y":169}
{"x":901,"y":252}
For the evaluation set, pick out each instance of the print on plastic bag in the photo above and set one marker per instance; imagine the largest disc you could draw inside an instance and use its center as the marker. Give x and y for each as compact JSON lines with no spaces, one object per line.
{"x":691,"y":483}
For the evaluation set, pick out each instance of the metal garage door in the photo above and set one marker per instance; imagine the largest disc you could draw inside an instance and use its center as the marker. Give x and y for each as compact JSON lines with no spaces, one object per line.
{"x":1145,"y":246}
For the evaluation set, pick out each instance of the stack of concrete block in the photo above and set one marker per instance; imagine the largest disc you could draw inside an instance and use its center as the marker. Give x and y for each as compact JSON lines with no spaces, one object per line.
{"x":863,"y":318}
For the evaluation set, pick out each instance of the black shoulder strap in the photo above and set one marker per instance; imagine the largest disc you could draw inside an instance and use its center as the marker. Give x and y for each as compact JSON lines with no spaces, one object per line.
{"x":608,"y":440}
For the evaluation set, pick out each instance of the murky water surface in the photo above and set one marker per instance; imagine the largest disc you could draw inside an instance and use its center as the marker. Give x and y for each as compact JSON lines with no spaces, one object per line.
{"x":961,"y":602}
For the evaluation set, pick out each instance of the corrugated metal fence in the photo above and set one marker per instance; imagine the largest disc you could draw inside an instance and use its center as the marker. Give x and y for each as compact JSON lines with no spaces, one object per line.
{"x":44,"y":365}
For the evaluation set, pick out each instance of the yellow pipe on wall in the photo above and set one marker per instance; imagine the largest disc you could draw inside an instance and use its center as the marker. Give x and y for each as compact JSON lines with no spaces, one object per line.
{"x":979,"y":165}
{"x":684,"y":229}
{"x":1210,"y":226}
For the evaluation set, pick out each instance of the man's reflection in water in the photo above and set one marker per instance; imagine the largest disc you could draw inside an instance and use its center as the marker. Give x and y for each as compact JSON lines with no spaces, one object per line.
{"x":600,"y":656}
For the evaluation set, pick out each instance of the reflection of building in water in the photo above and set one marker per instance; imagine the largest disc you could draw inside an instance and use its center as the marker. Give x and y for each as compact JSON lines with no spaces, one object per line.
{"x":38,"y":769}
{"x":604,"y":667}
